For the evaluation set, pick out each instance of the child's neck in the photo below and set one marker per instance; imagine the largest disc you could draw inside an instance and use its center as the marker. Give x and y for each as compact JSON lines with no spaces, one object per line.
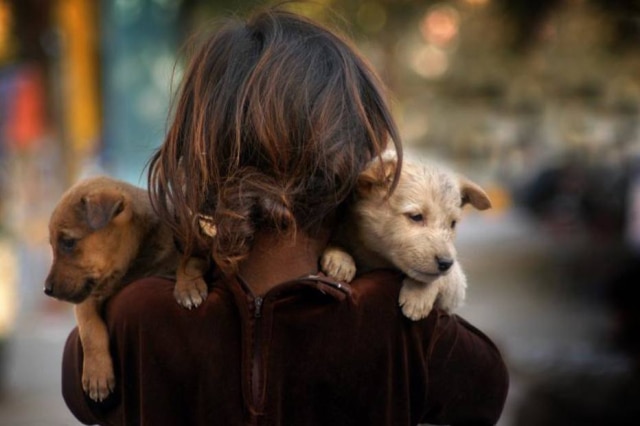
{"x":275,"y":259}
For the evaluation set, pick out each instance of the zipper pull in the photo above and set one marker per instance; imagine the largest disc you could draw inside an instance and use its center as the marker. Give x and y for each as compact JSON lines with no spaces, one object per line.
{"x":258,"y":306}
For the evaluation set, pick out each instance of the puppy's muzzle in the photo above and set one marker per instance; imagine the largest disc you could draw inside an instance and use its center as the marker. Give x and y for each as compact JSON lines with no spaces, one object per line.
{"x":60,"y":291}
{"x":444,"y":263}
{"x":48,"y":288}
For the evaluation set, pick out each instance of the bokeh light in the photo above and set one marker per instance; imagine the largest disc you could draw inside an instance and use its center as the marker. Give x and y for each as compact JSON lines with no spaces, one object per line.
{"x":430,"y":62}
{"x":440,"y":25}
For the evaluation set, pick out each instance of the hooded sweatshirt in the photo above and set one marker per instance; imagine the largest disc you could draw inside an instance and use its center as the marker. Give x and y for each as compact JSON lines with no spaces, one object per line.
{"x":311,"y":351}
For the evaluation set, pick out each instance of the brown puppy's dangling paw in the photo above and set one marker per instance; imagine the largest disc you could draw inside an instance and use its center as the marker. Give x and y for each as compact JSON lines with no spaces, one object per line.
{"x":190,"y":289}
{"x":190,"y":293}
{"x":338,"y":264}
{"x":98,"y":380}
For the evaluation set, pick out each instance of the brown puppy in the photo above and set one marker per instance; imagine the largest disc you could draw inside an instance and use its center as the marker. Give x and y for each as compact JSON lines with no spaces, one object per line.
{"x":104,"y":235}
{"x":413,"y":230}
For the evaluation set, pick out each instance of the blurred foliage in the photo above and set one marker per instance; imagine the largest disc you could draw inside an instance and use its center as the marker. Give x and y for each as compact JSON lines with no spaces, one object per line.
{"x":372,"y":18}
{"x":527,"y":17}
{"x":365,"y":17}
{"x":375,"y":19}
{"x":625,"y":16}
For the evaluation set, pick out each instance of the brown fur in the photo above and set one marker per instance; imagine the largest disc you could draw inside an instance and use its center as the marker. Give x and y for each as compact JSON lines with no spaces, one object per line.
{"x":104,"y":235}
{"x":413,"y":230}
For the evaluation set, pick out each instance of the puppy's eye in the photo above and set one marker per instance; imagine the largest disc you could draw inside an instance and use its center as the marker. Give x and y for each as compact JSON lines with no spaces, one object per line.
{"x":67,"y":243}
{"x":453,"y":224}
{"x":415,"y":217}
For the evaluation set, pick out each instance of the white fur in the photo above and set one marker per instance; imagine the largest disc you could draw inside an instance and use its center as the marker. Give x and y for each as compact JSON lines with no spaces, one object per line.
{"x":385,"y":231}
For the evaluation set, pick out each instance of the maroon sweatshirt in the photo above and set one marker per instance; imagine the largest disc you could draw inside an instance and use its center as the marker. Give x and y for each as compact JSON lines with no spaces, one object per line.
{"x":310,"y":352}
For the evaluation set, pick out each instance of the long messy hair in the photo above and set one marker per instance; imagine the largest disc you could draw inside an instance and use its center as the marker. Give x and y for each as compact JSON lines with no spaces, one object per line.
{"x":275,"y":119}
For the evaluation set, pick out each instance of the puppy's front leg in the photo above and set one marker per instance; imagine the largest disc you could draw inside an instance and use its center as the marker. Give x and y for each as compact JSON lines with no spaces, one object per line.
{"x":338,"y":264}
{"x":98,"y":379}
{"x":417,"y":298}
{"x":190,"y":289}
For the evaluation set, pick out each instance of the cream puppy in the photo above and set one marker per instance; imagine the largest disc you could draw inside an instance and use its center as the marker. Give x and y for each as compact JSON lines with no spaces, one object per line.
{"x":412,"y":229}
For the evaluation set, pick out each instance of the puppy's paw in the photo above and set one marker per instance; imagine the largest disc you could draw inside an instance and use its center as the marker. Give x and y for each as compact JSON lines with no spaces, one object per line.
{"x":98,"y":380}
{"x":338,"y":264}
{"x":416,"y":303}
{"x":190,"y":293}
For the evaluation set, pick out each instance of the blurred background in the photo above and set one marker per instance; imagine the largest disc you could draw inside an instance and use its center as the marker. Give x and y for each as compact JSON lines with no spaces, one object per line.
{"x":536,"y":100}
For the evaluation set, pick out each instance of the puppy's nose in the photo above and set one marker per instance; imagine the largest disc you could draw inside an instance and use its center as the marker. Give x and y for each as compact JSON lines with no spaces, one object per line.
{"x":444,"y":263}
{"x":48,"y":288}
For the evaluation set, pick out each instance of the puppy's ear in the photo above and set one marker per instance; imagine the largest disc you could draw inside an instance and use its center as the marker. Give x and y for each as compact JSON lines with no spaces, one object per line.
{"x":472,"y":194}
{"x":101,"y":207}
{"x":378,"y":174}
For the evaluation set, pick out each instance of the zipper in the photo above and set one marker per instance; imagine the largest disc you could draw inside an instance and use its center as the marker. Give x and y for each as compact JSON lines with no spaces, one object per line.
{"x":257,"y":369}
{"x":257,"y":302}
{"x":258,"y":373}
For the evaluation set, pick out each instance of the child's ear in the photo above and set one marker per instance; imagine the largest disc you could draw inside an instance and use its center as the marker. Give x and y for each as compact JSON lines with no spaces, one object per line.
{"x":473,"y":194}
{"x":378,"y":174}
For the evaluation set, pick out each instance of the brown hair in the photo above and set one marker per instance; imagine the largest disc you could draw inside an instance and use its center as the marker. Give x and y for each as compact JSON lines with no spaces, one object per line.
{"x":275,"y":119}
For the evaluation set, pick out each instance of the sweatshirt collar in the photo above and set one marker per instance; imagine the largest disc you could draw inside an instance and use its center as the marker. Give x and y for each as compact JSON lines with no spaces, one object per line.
{"x":319,"y":282}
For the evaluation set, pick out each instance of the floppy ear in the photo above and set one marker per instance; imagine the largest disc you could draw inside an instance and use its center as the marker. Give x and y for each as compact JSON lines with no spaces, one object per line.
{"x":378,"y":174}
{"x":101,"y":207}
{"x":472,"y":194}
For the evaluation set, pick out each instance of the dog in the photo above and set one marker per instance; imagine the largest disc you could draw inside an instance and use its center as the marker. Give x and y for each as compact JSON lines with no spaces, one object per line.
{"x":105,"y":234}
{"x":412,"y":230}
